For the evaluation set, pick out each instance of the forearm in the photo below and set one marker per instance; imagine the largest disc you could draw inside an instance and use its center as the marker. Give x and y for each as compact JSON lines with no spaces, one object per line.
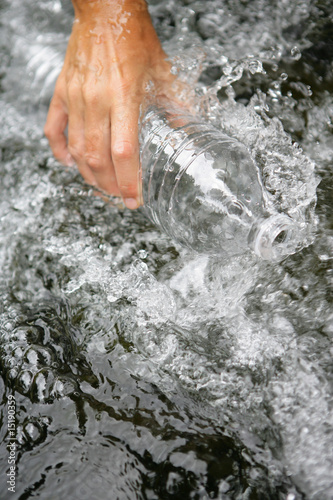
{"x":124,"y":24}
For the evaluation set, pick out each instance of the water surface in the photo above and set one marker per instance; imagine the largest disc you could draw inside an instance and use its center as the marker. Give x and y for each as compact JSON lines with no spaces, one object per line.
{"x":140,"y":370}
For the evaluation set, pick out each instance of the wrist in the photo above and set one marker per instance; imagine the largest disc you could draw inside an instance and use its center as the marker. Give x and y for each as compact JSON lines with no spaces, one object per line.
{"x":104,"y":10}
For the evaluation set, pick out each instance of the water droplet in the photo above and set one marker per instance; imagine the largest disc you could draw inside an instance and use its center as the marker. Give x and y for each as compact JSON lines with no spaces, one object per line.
{"x":296,"y":53}
{"x":32,"y":356}
{"x":12,"y":374}
{"x":235,"y":208}
{"x":25,"y":380}
{"x":142,"y":254}
{"x":32,"y":431}
{"x":255,"y":67}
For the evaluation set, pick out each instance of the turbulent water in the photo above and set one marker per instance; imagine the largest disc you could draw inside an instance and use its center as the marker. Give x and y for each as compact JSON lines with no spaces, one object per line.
{"x":140,"y":370}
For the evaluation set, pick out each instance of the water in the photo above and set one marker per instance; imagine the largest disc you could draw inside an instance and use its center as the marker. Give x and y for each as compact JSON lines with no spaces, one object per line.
{"x":141,"y":370}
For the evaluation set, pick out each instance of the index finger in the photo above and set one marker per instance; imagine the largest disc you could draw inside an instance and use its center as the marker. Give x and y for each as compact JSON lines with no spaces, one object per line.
{"x":54,"y":129}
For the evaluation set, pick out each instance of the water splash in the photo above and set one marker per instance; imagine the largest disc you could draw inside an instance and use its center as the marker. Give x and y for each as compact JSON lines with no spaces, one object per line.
{"x":158,"y":370}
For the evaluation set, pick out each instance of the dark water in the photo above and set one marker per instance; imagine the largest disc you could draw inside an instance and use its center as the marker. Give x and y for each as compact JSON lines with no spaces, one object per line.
{"x":139,"y":370}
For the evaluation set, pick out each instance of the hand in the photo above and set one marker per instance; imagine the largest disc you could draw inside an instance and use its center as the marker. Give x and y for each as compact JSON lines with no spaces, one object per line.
{"x":113,"y":52}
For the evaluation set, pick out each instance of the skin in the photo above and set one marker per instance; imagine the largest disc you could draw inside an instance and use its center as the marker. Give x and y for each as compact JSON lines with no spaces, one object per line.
{"x":112,"y":54}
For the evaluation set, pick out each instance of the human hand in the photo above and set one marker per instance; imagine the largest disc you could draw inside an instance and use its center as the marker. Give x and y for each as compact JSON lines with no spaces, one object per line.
{"x":113,"y":52}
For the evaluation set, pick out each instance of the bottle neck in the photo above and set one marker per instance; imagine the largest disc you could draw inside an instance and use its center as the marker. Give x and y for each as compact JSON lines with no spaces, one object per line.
{"x":274,"y":238}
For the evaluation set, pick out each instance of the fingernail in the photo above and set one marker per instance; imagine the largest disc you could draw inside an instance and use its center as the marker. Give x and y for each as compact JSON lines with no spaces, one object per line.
{"x":69,"y":161}
{"x":131,"y":203}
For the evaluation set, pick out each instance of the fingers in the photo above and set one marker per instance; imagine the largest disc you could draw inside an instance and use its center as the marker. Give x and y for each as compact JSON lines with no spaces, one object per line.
{"x":105,"y":156}
{"x":54,"y":129}
{"x":97,"y":155}
{"x":89,"y":138}
{"x":125,"y":151}
{"x":76,"y":131}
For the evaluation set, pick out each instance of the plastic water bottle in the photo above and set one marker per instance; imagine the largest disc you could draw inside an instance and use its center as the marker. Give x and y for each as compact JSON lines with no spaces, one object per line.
{"x":202,"y":188}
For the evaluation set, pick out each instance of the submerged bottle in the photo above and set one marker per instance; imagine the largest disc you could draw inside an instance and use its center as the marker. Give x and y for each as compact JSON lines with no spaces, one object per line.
{"x":202,"y":188}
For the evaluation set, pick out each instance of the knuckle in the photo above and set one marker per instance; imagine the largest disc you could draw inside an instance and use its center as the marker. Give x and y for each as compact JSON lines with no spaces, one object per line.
{"x":48,"y":131}
{"x":95,"y":163}
{"x":73,"y":90}
{"x":123,"y":150}
{"x":128,"y":189}
{"x":58,"y":152}
{"x":60,"y":88}
{"x":75,"y":152}
{"x":89,"y":95}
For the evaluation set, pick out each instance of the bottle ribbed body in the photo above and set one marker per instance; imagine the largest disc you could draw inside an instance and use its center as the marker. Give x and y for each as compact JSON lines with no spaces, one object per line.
{"x":201,"y":186}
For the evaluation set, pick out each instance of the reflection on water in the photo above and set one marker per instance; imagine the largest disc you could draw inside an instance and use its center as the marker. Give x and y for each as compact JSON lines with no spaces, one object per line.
{"x":140,"y":370}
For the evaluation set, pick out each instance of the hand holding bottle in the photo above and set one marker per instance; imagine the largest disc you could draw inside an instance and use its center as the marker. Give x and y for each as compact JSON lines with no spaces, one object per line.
{"x":113,"y":52}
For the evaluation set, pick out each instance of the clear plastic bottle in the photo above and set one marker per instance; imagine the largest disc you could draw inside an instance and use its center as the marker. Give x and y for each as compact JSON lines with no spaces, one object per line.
{"x":202,"y":188}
